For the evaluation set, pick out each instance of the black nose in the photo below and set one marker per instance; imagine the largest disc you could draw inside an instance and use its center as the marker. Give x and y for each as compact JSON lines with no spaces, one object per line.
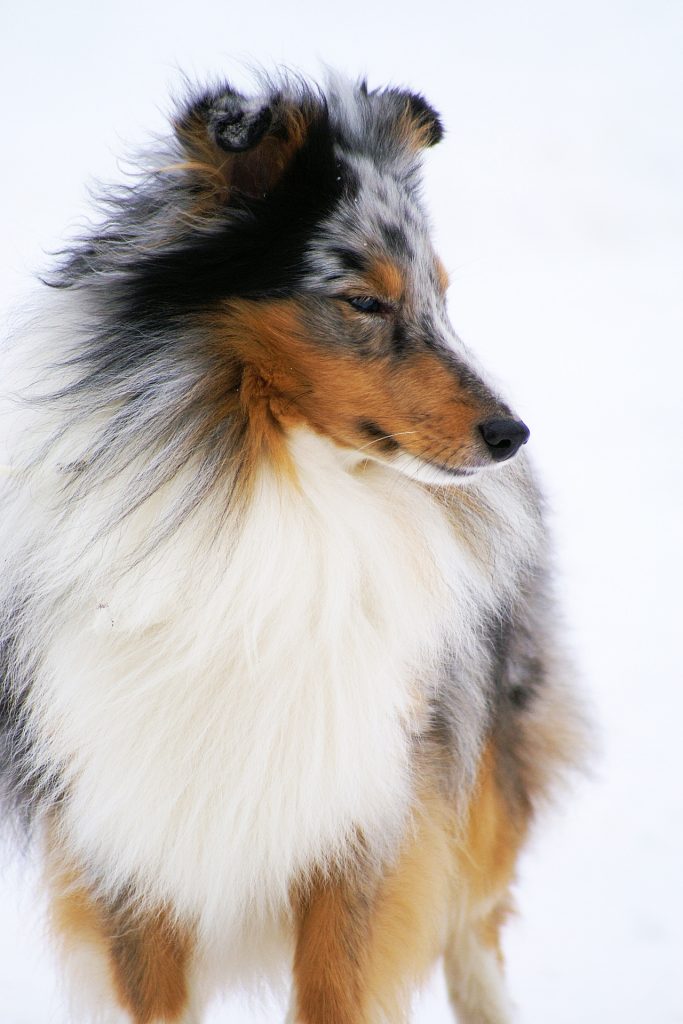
{"x":504,"y":437}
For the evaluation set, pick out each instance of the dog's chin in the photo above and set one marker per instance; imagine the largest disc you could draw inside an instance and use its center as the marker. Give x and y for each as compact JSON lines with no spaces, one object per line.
{"x":426,"y":472}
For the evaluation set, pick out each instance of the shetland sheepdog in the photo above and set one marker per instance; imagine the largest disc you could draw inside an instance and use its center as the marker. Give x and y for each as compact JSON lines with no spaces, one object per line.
{"x":280,"y":684}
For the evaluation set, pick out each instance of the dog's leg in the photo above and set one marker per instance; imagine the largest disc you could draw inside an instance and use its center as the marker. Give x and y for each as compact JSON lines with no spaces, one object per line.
{"x":365,"y":943}
{"x":124,"y":965}
{"x":486,"y":856}
{"x":333,"y":929}
{"x":150,"y":964}
{"x":474,"y":972}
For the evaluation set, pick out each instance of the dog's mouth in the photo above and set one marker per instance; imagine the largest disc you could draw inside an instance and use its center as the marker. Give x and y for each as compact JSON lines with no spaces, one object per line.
{"x":422,"y":467}
{"x":431,"y":471}
{"x":491,"y":442}
{"x":453,"y":470}
{"x":428,"y":469}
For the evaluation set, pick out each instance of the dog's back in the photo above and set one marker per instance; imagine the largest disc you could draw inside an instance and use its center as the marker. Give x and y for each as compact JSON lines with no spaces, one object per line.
{"x":280,"y":673}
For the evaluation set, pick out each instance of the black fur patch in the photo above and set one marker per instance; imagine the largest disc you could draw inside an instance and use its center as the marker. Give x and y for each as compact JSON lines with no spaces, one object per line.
{"x":396,"y":240}
{"x":237,"y":126}
{"x":400,"y":340}
{"x":351,"y":259}
{"x":253,"y":248}
{"x":385,"y":442}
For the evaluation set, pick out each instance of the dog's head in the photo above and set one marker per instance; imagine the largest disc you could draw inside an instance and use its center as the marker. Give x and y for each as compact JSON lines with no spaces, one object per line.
{"x":303,"y":250}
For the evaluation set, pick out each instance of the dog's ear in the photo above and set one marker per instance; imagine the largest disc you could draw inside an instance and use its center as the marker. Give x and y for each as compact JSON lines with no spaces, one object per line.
{"x":239,"y":147}
{"x":416,"y":123}
{"x":424,"y":123}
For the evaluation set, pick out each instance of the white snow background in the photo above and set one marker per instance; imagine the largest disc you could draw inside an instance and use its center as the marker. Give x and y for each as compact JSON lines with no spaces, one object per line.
{"x":557,"y":199}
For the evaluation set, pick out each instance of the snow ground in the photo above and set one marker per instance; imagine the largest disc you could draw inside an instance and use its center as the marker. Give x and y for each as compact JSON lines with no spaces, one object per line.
{"x":558,"y":204}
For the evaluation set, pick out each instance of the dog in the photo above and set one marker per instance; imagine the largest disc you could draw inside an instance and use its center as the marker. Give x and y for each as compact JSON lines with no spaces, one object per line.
{"x":282,"y":689}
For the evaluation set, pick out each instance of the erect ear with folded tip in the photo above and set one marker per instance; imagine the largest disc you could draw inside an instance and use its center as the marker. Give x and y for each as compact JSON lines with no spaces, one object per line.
{"x":237,"y":124}
{"x":426,"y":123}
{"x":416,"y":123}
{"x":237,"y":146}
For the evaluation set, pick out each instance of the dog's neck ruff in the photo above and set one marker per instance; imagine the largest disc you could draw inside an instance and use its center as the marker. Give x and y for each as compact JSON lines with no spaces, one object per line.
{"x":241,"y":705}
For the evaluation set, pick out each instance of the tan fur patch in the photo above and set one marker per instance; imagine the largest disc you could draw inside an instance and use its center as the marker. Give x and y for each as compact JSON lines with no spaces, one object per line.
{"x":492,"y":838}
{"x":412,"y":911}
{"x":442,"y":276}
{"x":366,"y":943}
{"x":330,"y":960}
{"x":147,"y":953}
{"x":74,"y":914}
{"x":415,"y":132}
{"x":386,"y":280}
{"x":418,"y":398}
{"x":253,"y":172}
{"x":266,"y":413}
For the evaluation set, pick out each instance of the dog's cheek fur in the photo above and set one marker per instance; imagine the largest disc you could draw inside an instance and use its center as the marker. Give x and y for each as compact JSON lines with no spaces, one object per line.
{"x":420,"y":400}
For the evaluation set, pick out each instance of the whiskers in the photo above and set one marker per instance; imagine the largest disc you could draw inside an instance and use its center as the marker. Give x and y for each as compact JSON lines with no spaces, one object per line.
{"x":385,"y":437}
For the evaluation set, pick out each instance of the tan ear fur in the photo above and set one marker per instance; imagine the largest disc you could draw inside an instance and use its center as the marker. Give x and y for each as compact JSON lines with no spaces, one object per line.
{"x":419,"y":122}
{"x":239,"y":148}
{"x":416,"y":124}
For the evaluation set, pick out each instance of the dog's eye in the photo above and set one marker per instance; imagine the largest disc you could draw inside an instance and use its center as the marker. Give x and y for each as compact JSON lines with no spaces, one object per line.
{"x":366,"y":304}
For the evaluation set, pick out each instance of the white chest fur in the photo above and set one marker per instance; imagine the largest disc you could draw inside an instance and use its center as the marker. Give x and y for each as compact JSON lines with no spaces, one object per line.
{"x":236,"y":707}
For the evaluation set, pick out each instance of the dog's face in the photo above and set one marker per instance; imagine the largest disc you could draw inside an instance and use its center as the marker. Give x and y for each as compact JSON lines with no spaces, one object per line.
{"x":311,"y":263}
